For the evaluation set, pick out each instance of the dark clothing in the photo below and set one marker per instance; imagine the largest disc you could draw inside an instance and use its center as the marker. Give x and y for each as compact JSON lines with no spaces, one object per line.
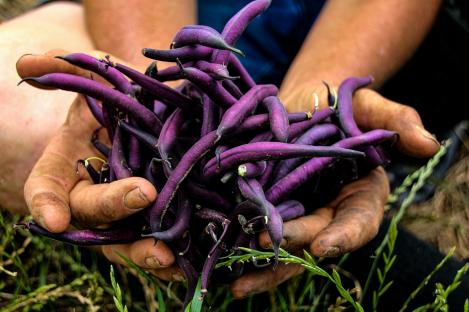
{"x":272,"y":40}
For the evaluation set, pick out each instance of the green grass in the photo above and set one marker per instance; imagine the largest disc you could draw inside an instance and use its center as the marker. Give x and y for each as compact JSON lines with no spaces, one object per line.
{"x":42,"y":275}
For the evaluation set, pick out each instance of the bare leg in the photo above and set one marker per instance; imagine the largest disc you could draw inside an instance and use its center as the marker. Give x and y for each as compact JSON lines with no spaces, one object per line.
{"x":28,"y":116}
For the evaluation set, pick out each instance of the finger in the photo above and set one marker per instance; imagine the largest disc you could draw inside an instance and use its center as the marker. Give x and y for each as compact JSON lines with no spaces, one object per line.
{"x":47,"y":188}
{"x":359,"y":211}
{"x":144,"y":253}
{"x":263,"y":280}
{"x":94,"y":204}
{"x":30,"y":65}
{"x":171,"y":274}
{"x":372,"y":111}
{"x":300,"y":232}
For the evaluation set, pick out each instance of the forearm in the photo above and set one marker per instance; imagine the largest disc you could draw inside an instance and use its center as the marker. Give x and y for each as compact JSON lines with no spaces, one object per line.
{"x":124,"y":27}
{"x":358,"y":38}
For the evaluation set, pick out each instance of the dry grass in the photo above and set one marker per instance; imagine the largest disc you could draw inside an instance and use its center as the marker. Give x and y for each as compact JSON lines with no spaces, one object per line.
{"x":444,"y":219}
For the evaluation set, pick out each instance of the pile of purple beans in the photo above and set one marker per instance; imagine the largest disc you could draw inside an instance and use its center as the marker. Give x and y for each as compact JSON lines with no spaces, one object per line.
{"x":226,"y":157}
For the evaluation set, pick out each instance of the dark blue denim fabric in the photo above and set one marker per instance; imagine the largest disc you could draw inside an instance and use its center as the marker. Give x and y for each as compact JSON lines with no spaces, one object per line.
{"x":272,"y":40}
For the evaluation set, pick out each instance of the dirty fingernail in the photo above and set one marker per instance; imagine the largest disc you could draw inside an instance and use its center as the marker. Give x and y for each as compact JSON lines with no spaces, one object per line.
{"x":427,"y":134}
{"x":153,"y":262}
{"x":135,"y":199}
{"x":178,"y":277}
{"x":331,"y":252}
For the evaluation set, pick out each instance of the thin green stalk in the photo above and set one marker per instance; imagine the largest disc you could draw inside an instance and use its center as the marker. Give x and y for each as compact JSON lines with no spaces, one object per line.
{"x":318,"y":298}
{"x":421,"y":176}
{"x":426,"y":279}
{"x":118,"y":299}
{"x":308,"y":263}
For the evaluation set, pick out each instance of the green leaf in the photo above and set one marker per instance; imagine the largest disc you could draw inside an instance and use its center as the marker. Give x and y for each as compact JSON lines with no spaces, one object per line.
{"x":466,"y":305}
{"x":161,"y":304}
{"x":380,"y":275}
{"x":113,"y":278}
{"x":196,"y":303}
{"x":308,"y":257}
{"x":117,"y":303}
{"x":385,"y":288}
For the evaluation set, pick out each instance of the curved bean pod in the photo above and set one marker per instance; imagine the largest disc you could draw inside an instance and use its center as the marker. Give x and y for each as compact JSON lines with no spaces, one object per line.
{"x":192,"y":34}
{"x":236,"y":114}
{"x":183,"y":168}
{"x":283,"y":187}
{"x":184,"y":54}
{"x":107,"y":95}
{"x":121,"y":235}
{"x":271,"y":151}
{"x":101,"y":68}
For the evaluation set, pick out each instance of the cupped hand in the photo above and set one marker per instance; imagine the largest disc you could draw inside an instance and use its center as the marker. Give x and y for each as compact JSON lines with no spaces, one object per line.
{"x":57,"y":195}
{"x":354,"y":216}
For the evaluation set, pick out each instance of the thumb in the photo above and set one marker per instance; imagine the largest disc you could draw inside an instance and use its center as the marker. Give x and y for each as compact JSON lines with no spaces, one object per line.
{"x":372,"y":111}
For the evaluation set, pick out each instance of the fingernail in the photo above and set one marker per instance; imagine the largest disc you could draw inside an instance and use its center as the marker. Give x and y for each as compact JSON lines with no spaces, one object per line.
{"x":332,"y":252}
{"x":41,"y":221}
{"x":177,"y":277}
{"x":135,"y":199}
{"x":28,"y":54}
{"x":427,"y":134}
{"x":152,"y":262}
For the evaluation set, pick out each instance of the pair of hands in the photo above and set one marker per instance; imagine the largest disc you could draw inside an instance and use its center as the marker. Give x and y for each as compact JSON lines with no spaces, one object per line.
{"x":56,"y":195}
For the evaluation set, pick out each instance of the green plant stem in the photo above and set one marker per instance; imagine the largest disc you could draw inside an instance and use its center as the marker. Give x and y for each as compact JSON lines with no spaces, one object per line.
{"x":422,"y":174}
{"x":426,"y":279}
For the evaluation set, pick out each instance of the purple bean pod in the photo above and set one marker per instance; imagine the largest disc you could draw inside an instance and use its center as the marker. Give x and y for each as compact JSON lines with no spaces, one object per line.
{"x":192,"y":34}
{"x":278,"y":118}
{"x":146,"y":138}
{"x":210,"y":86}
{"x":261,"y":122}
{"x":209,"y":116}
{"x":183,"y":168}
{"x":184,"y":54}
{"x":117,"y":160}
{"x":216,"y":71}
{"x":232,"y":88}
{"x":184,"y":213}
{"x":252,"y":170}
{"x":290,"y":209}
{"x":161,"y":91}
{"x":121,"y":235}
{"x":238,"y":112}
{"x":300,"y":127}
{"x":170,"y":73}
{"x":236,"y":25}
{"x":310,"y":137}
{"x":95,"y":109}
{"x":211,"y":215}
{"x":206,"y":196}
{"x":101,"y":68}
{"x":345,"y":112}
{"x":107,"y":95}
{"x":239,"y":70}
{"x":265,"y":177}
{"x":135,"y":154}
{"x":161,"y":110}
{"x":168,"y":137}
{"x":283,"y":187}
{"x":271,"y":151}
